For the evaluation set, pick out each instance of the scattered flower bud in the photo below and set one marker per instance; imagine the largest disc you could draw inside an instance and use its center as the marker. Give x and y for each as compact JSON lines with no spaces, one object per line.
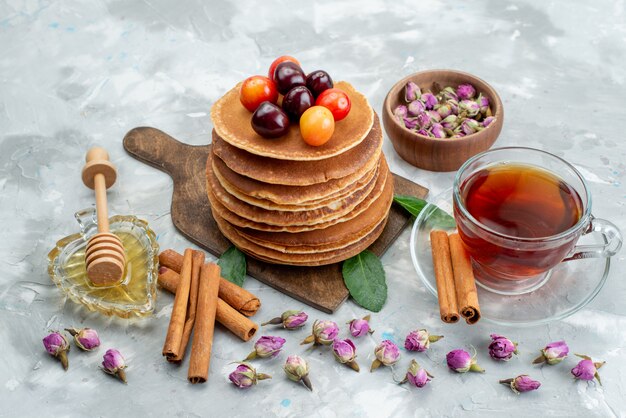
{"x":434,"y":116}
{"x":450,"y":122}
{"x":245,"y":376}
{"x":454,"y":106}
{"x":483,"y":103}
{"x":360,"y":327}
{"x":424,"y":132}
{"x":416,"y":375}
{"x":419,"y":340}
{"x":57,"y":345}
{"x":387,"y":354}
{"x":423,"y":120}
{"x":501,"y":348}
{"x":113,"y":363}
{"x":266,"y":346}
{"x":324,"y":332}
{"x":290,"y":320}
{"x":469,"y":126}
{"x":462,"y":362}
{"x":449,"y":93}
{"x":297,"y":369}
{"x":410,"y":123}
{"x":412,"y":92}
{"x":345,"y":353}
{"x":587,"y":369}
{"x":400,"y":112}
{"x":444,"y":110}
{"x":429,"y":100}
{"x":415,"y":108}
{"x":487,"y":121}
{"x":437,"y":130}
{"x":465,"y":91}
{"x":521,"y":383}
{"x":86,"y":338}
{"x":553,"y":353}
{"x":469,"y":107}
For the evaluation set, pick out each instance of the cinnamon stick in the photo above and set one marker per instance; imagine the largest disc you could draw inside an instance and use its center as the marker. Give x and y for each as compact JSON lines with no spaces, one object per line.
{"x":226,"y":315}
{"x":171,"y":348}
{"x":236,"y":296}
{"x":464,"y":282}
{"x":444,"y":276}
{"x":202,"y":343}
{"x":197,"y":261}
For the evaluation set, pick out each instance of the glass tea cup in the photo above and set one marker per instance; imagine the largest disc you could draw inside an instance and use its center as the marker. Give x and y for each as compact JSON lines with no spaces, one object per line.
{"x":513,"y":265}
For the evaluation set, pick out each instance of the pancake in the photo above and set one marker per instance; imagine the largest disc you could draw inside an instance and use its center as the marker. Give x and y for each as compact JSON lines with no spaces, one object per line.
{"x":316,"y":204}
{"x":383,"y":178}
{"x":334,"y":237}
{"x":284,"y":218}
{"x":303,"y":173}
{"x":232,"y":122}
{"x":316,"y":259}
{"x":290,"y":195}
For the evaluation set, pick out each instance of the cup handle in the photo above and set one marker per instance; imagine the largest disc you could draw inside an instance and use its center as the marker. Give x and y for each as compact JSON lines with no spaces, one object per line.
{"x":612,"y":241}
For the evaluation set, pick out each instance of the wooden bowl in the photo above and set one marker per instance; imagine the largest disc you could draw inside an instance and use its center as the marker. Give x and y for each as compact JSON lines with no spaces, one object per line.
{"x":440,"y":154}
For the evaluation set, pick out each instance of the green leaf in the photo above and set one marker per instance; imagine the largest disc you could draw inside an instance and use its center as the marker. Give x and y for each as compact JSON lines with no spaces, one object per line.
{"x":233,"y":265}
{"x":364,"y":277}
{"x":414,"y":206}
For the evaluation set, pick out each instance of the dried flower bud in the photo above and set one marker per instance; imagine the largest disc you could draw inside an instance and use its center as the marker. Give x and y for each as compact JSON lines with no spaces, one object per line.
{"x":410,"y":123}
{"x":450,"y":122}
{"x":423,"y":120}
{"x":429,"y":100}
{"x":469,"y":107}
{"x":462,"y":362}
{"x":360,"y":327}
{"x":487,"y":121}
{"x":434,"y":116}
{"x":113,"y":363}
{"x":419,"y":340}
{"x":521,"y":383}
{"x":437,"y":131}
{"x":324,"y":332}
{"x":297,"y":369}
{"x":553,"y":353}
{"x":400,"y":112}
{"x":57,"y":345}
{"x":425,"y":132}
{"x":501,"y":348}
{"x":345,"y":353}
{"x":266,"y":346}
{"x":416,"y":375}
{"x":86,"y":338}
{"x":415,"y":108}
{"x":454,"y":106}
{"x":465,"y":91}
{"x":387,"y":354}
{"x":444,"y":110}
{"x":587,"y":369}
{"x":245,"y":376}
{"x":483,"y":103}
{"x":412,"y":92}
{"x":449,"y":93}
{"x":290,"y":320}
{"x":469,"y":126}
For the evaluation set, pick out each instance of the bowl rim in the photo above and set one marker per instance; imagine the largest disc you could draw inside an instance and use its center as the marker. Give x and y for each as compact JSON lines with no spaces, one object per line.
{"x":467,"y":138}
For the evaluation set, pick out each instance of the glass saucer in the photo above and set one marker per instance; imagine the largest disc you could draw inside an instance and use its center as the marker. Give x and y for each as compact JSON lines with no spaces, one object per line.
{"x":571,"y":285}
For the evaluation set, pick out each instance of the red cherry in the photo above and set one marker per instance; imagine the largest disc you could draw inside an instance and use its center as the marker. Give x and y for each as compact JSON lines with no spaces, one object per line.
{"x":256,"y":90}
{"x":277,"y":61}
{"x":335,"y":100}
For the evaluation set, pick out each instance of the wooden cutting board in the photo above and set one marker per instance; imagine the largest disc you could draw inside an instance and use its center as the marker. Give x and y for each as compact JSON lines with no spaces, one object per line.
{"x":321,"y":287}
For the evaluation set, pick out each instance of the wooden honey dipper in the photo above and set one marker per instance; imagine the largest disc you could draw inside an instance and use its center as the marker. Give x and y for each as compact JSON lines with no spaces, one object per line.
{"x":104,"y":258}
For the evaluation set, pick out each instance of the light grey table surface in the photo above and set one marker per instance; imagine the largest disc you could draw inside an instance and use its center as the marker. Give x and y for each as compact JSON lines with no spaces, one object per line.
{"x":73,"y":75}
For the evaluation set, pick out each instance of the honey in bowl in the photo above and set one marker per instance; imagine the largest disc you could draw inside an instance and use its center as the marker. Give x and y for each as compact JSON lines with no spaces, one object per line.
{"x":521,"y":202}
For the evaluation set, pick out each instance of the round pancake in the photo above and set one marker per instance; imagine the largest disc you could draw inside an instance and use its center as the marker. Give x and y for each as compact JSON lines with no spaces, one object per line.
{"x":284,"y":218}
{"x":232,"y":122}
{"x":235,"y":219}
{"x":303,"y":173}
{"x":334,"y":237}
{"x":316,"y":259}
{"x":269,"y":205}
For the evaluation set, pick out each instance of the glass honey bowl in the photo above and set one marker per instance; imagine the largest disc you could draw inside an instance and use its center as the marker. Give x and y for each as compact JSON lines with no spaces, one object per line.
{"x":135,"y":294}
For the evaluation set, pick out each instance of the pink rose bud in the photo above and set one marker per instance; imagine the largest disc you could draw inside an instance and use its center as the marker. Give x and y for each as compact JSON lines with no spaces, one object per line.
{"x":345,"y":353}
{"x":387,"y":354}
{"x":245,"y":376}
{"x":411,"y":92}
{"x":437,"y":130}
{"x":416,"y":375}
{"x":469,"y":126}
{"x":57,"y":345}
{"x":434,"y":116}
{"x":501,"y":348}
{"x":449,"y":93}
{"x":425,"y":132}
{"x":266,"y":346}
{"x":454,"y":106}
{"x":86,"y":338}
{"x":419,"y":340}
{"x":553,"y":353}
{"x":114,"y":364}
{"x":429,"y":100}
{"x":521,"y":383}
{"x":400,"y":112}
{"x":410,"y":123}
{"x":444,"y":110}
{"x":423,"y":120}
{"x":462,"y":362}
{"x":488,"y":120}
{"x":465,"y":91}
{"x":324,"y":332}
{"x":360,"y":327}
{"x":483,"y":103}
{"x":297,"y":369}
{"x":469,"y":107}
{"x":415,"y":108}
{"x":290,"y":320}
{"x":587,"y":369}
{"x":450,"y":122}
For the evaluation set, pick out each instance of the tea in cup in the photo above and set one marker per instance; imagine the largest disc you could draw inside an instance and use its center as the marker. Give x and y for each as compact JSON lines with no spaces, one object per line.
{"x":520,"y":212}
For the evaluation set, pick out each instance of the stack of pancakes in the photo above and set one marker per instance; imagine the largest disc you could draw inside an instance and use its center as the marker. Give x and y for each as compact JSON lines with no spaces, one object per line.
{"x":285,"y":202}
